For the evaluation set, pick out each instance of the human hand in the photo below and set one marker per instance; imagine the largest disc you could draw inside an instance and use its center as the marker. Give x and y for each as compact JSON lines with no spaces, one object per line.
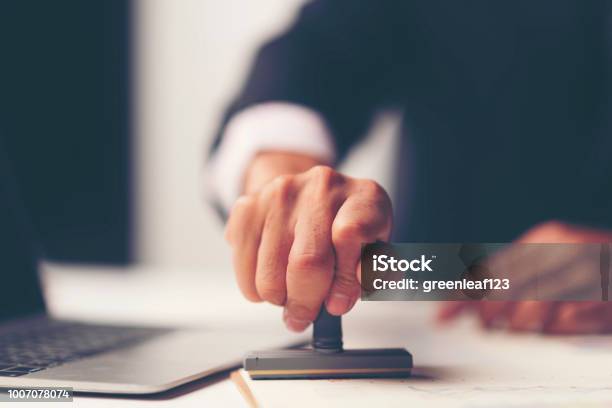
{"x":296,"y":240}
{"x":536,"y":316}
{"x":548,"y":317}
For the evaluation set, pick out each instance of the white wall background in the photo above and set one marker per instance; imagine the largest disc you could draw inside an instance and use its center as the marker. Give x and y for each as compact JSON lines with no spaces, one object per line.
{"x":191,"y":56}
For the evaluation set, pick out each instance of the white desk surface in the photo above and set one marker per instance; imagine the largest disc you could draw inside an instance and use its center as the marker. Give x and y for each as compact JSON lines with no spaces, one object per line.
{"x":459,"y":365}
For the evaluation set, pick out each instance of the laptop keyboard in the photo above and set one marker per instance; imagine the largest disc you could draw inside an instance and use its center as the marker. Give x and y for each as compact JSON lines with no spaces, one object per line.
{"x":49,"y":343}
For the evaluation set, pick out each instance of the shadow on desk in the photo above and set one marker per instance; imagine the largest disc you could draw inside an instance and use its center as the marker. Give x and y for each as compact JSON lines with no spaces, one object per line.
{"x":170,"y":394}
{"x":419,"y":374}
{"x":433,"y":373}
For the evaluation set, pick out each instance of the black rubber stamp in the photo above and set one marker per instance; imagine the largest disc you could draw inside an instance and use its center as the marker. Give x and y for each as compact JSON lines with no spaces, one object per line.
{"x":326,"y":358}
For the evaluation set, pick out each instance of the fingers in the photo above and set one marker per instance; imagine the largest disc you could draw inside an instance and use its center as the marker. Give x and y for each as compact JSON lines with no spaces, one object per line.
{"x":272,"y":259}
{"x":294,"y":247}
{"x":531,"y":316}
{"x":564,"y":318}
{"x":311,"y":260}
{"x":309,"y":270}
{"x":580,"y":318}
{"x":495,"y":313}
{"x":517,"y":316}
{"x":243,"y":234}
{"x":364,"y":217}
{"x":490,"y":313}
{"x":560,"y":232}
{"x":451,"y":310}
{"x":275,"y":243}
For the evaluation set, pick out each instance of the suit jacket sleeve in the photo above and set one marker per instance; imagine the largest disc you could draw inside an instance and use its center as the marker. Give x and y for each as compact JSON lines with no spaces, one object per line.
{"x":339,"y":58}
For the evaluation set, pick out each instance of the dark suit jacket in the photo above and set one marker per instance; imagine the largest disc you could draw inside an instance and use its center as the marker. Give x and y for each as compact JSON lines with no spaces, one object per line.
{"x":19,"y":252}
{"x":506,"y":105}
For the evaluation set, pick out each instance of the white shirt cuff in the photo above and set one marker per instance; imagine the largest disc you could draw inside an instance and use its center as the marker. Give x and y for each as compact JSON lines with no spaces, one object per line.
{"x":268,"y":126}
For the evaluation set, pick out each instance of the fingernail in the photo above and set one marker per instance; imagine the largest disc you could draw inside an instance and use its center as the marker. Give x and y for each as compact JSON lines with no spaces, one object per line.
{"x":338,"y":304}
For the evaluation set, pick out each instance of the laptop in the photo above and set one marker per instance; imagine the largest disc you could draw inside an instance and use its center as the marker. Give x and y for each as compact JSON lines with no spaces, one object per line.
{"x":37,"y":350}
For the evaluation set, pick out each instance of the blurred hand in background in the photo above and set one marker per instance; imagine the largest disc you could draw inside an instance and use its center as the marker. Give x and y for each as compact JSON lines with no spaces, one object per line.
{"x":560,"y":317}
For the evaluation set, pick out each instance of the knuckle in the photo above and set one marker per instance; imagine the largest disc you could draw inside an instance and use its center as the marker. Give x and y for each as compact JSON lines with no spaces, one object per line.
{"x":266,"y":276}
{"x":310,"y":261}
{"x":325,"y":176}
{"x":373,"y":191}
{"x":281,"y":190}
{"x":242,"y":203}
{"x":349,"y":230}
{"x":242,"y":211}
{"x":346,"y":284}
{"x":283,"y":183}
{"x":270,"y":286}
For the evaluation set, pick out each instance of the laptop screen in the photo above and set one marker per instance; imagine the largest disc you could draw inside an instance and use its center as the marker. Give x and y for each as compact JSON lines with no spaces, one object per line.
{"x":20,"y":291}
